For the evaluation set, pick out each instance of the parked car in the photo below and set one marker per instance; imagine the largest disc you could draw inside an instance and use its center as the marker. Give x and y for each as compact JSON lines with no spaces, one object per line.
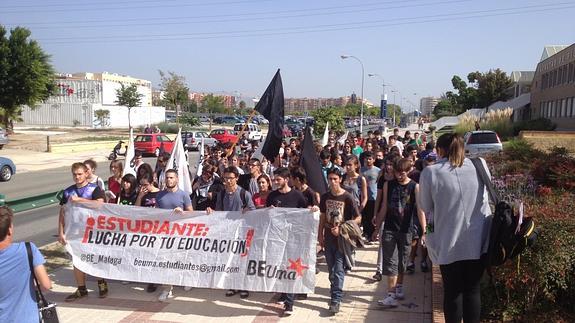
{"x":253,"y":131}
{"x":152,"y":143}
{"x":193,"y":139}
{"x":223,"y":135}
{"x":4,"y":140}
{"x":204,"y":119}
{"x":226,"y":120}
{"x":481,"y":142}
{"x":7,"y":169}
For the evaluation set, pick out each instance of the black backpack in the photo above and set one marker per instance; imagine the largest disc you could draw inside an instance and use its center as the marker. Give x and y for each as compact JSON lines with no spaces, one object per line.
{"x":505,"y":241}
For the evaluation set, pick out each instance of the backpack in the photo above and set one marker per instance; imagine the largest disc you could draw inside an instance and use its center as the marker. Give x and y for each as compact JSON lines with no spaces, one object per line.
{"x":220,"y":198}
{"x":507,"y":239}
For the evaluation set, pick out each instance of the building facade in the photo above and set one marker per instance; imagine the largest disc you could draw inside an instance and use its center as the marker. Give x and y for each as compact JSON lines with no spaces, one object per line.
{"x":553,"y":88}
{"x":427,"y":104}
{"x":80,"y":99}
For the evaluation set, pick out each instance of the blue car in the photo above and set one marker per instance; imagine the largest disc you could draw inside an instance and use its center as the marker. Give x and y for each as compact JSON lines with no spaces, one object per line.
{"x":7,"y":169}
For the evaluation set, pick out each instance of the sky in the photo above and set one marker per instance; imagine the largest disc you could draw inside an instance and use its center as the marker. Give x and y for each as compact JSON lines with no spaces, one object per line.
{"x":235,"y":46}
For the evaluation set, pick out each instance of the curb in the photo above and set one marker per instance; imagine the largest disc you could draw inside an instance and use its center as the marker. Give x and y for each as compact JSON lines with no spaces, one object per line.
{"x":32,"y":202}
{"x":437,"y":296}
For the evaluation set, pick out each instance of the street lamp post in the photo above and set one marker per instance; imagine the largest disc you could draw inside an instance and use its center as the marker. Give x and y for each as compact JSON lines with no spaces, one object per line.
{"x":394,"y":105}
{"x":362,"y":80}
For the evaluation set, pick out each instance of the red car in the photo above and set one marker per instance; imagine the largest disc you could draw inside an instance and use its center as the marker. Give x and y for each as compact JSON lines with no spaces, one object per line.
{"x":151,"y":143}
{"x":223,"y":135}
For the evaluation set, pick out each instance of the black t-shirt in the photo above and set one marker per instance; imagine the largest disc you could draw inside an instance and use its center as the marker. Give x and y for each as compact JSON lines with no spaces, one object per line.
{"x":293,"y":198}
{"x":337,"y":209}
{"x":129,"y":199}
{"x":310,"y":196}
{"x":414,"y":175}
{"x":149,"y":200}
{"x":401,"y":206}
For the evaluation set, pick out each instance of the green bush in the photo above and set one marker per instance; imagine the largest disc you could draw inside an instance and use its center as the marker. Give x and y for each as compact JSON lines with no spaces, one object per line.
{"x":519,"y":149}
{"x":541,"y":124}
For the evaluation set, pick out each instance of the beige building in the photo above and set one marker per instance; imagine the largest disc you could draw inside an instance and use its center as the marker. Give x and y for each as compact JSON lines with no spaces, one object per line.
{"x":301,"y":105}
{"x":111,"y":82}
{"x":427,"y":104}
{"x":553,"y":87}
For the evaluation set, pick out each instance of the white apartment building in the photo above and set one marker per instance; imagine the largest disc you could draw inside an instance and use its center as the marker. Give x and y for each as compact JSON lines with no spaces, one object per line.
{"x":426,"y":105}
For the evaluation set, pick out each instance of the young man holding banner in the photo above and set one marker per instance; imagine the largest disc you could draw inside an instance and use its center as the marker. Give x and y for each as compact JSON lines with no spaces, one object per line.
{"x":83,"y":190}
{"x":233,"y":198}
{"x":172,"y":198}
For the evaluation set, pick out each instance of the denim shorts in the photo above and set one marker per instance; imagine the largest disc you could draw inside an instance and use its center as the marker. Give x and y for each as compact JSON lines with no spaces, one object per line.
{"x":396,"y":248}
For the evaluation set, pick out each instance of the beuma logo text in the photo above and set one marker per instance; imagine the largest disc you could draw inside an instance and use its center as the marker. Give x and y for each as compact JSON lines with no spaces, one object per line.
{"x":261,"y":269}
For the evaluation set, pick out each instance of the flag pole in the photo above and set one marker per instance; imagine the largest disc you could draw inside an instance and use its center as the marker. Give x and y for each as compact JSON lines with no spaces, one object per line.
{"x":241,"y":132}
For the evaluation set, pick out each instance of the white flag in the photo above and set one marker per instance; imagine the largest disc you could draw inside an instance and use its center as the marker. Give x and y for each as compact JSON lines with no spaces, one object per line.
{"x":200,"y":159}
{"x":130,"y":156}
{"x":343,"y":138}
{"x":179,"y":163}
{"x":325,"y":138}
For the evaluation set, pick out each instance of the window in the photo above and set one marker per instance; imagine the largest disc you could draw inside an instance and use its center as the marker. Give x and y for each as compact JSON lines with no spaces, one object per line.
{"x":563,"y":108}
{"x":560,"y":76}
{"x":571,"y":73}
{"x":163,"y":138}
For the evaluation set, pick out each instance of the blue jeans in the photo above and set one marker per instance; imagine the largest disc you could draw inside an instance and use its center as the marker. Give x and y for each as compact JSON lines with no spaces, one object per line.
{"x":288,"y":298}
{"x":335,"y":261}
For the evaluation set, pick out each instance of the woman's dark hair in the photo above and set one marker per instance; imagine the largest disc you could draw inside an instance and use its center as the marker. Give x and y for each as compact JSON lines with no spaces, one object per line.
{"x":133,"y":183}
{"x":267,"y":178}
{"x":299,"y":173}
{"x":452,"y":148}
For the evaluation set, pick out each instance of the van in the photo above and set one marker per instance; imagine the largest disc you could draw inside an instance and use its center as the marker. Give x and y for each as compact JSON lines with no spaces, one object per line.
{"x":253,"y":131}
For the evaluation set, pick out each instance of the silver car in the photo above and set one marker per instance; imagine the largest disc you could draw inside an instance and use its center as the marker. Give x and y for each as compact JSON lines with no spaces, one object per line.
{"x":481,"y":142}
{"x":193,"y":139}
{"x":4,"y":140}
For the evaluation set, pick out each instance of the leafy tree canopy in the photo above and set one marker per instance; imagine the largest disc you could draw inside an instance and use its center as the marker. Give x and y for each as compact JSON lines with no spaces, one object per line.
{"x":323,"y":115}
{"x":213,"y":104}
{"x":128,"y":96}
{"x":26,"y":75}
{"x":175,"y":90}
{"x":480,"y":91}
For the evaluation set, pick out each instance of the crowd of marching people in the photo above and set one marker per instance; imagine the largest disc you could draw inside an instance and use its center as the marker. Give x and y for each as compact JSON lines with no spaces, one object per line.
{"x":373,"y":196}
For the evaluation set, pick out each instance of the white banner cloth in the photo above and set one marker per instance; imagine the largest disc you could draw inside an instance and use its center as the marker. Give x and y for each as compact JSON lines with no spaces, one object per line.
{"x":267,"y":250}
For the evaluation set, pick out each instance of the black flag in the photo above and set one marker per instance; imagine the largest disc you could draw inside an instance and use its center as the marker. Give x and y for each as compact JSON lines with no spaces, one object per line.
{"x":271,"y":106}
{"x":309,"y":160}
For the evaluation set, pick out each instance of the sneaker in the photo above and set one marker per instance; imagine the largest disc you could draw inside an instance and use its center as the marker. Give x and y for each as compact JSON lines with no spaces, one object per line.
{"x":320,"y":253}
{"x":244,"y":294}
{"x":410,"y":269}
{"x":102,"y":288}
{"x":301,"y":297}
{"x":424,"y":267}
{"x":288,"y":309}
{"x":187,"y":288}
{"x":399,"y":292}
{"x":231,"y":292}
{"x":165,"y":295}
{"x":388,"y":302}
{"x":151,"y":288}
{"x":334,"y":308}
{"x":76,"y":295}
{"x":377,"y":277}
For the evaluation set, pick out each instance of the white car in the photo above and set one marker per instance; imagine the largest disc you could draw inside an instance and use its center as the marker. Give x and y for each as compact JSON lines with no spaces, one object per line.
{"x":253,"y":131}
{"x":481,"y":142}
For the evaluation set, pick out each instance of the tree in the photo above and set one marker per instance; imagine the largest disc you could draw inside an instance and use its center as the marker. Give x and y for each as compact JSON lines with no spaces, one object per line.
{"x":242,"y":104}
{"x":129,"y":97}
{"x":325,"y":114}
{"x":176,"y":92}
{"x":491,"y":86}
{"x":26,"y":75}
{"x":481,"y":91}
{"x":213,"y":104}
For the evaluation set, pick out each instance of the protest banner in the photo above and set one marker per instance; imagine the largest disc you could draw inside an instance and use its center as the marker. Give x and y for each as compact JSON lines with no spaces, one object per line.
{"x":268,"y":250}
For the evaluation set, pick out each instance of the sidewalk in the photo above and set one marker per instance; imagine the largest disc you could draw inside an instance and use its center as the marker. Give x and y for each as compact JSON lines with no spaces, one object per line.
{"x":131,"y":303}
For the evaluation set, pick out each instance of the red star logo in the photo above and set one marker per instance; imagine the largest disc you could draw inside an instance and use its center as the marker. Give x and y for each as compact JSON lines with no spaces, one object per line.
{"x":297,"y":266}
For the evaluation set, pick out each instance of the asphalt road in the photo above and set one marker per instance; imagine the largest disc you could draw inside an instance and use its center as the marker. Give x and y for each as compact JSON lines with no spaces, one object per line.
{"x":50,"y":180}
{"x":41,"y":225}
